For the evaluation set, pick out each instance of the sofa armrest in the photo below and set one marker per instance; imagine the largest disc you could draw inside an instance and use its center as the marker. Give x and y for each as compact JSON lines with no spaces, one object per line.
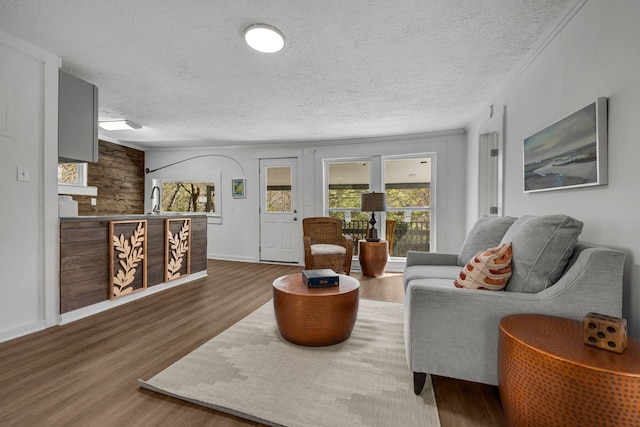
{"x":430,"y":258}
{"x":592,"y":283}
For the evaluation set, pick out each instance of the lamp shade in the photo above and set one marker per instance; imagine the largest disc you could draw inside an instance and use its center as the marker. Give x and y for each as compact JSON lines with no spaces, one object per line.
{"x":373,"y":202}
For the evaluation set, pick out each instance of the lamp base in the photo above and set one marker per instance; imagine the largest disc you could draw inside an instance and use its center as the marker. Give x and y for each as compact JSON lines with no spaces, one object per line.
{"x":372,"y":233}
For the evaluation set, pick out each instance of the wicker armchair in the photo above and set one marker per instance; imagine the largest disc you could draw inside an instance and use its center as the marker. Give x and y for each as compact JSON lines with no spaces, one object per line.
{"x":325,"y":246}
{"x":390,"y":234}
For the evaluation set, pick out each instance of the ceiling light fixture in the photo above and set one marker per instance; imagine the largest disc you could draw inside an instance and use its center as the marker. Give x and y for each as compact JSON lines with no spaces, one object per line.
{"x":119,"y":125}
{"x":264,"y":38}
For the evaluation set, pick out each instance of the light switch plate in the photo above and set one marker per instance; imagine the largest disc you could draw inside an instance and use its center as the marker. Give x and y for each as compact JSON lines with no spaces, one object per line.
{"x":23,"y":174}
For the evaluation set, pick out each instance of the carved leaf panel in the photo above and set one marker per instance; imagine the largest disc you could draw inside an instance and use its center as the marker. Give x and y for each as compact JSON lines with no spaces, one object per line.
{"x":127,"y":257}
{"x":177,"y":248}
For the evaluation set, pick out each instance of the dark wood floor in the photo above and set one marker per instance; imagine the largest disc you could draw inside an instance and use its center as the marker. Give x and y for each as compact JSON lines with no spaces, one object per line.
{"x":85,"y":373}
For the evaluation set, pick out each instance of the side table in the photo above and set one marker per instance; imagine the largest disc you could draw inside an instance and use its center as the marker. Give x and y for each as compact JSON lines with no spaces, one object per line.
{"x":549,"y":377}
{"x":373,"y":257}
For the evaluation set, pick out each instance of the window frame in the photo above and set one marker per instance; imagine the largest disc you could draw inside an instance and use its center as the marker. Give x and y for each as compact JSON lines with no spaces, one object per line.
{"x":432,"y":189}
{"x":377,"y":183}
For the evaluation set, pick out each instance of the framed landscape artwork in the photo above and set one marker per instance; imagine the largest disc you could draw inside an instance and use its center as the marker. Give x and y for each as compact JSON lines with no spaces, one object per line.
{"x":237,"y":188}
{"x":570,"y":153}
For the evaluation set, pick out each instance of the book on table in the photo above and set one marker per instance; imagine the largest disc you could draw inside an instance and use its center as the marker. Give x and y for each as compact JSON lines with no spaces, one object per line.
{"x":320,"y":278}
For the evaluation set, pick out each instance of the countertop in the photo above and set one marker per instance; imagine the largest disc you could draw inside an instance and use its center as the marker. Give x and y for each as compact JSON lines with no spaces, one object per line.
{"x":131,"y":216}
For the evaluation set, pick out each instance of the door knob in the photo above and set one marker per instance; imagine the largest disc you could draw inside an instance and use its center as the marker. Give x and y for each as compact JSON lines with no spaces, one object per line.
{"x":295,"y":218}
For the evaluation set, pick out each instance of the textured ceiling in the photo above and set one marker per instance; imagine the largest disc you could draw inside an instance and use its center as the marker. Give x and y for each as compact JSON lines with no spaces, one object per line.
{"x":349,"y":69}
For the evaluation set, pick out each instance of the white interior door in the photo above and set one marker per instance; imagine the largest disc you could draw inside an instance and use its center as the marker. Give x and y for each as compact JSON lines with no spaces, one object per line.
{"x":280,"y":224}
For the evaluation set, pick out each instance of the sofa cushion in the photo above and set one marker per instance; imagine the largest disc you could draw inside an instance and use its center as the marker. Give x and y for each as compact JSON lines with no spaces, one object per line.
{"x":541,"y":245}
{"x":431,"y":272}
{"x":416,"y":272}
{"x":432,"y":283}
{"x":487,"y":232}
{"x":327,"y":249}
{"x":489,"y":269}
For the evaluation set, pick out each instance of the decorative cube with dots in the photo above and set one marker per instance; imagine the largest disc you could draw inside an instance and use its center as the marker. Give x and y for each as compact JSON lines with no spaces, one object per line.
{"x":607,"y":332}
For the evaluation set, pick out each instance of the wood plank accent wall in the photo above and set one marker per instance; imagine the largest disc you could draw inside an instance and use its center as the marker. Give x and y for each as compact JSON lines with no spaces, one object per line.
{"x":84,"y":258}
{"x":119,"y":176}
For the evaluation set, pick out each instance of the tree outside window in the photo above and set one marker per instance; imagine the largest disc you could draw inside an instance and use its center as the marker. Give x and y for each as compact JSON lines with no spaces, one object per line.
{"x":278,"y":189}
{"x":71,"y":173}
{"x":188,"y":196}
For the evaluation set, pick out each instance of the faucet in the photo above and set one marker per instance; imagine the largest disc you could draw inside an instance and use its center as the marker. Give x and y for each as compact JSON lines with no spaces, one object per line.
{"x":156,"y":205}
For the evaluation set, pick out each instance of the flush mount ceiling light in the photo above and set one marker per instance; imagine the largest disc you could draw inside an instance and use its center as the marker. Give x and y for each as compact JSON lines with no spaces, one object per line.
{"x":119,"y":125}
{"x":264,"y":38}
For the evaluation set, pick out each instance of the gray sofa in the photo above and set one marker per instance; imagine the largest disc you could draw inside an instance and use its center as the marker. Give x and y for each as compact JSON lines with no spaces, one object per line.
{"x":453,"y":332}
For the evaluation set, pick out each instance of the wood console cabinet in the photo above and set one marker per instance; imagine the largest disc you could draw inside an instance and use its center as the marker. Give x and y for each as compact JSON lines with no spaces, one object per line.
{"x":84,"y":255}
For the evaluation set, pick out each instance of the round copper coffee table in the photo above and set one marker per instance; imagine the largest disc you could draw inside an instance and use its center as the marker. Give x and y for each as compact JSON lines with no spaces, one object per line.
{"x":315,"y":316}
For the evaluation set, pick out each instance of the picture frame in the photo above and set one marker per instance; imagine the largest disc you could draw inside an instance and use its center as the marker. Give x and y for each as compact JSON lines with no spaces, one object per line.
{"x":569,"y":153}
{"x":238,"y":186}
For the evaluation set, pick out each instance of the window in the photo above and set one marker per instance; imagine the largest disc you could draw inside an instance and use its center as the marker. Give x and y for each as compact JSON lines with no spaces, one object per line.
{"x":72,"y":179}
{"x":71,"y":173}
{"x":278,"y":189}
{"x":346,"y":181}
{"x":407,"y":182}
{"x":188,"y":196}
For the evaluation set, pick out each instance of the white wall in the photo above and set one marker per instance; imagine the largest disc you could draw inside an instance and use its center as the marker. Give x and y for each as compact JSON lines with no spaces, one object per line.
{"x":595,"y":54}
{"x":237,"y":237}
{"x":28,"y":212}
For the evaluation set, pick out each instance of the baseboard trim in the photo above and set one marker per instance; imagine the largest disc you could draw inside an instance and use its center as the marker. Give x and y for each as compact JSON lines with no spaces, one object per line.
{"x":21,"y":331}
{"x":393,"y":266}
{"x":232,"y":258}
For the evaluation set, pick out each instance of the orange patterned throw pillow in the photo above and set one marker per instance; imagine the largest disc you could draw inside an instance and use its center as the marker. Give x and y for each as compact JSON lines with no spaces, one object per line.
{"x":489,"y":269}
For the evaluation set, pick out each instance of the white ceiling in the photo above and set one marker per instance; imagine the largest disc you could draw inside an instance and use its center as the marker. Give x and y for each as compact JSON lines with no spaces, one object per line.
{"x":349,"y":69}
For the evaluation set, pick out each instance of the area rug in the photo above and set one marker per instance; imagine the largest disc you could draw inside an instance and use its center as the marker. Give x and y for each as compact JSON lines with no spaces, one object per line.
{"x":250,"y":371}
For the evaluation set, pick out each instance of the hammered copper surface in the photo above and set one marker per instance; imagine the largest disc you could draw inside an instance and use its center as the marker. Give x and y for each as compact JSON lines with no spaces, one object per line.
{"x":315,"y":316}
{"x":549,"y":377}
{"x":373,"y":257}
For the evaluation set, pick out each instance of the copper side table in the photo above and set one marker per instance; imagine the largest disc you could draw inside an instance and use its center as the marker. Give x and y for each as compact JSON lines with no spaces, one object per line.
{"x":549,"y":377}
{"x":315,"y":316}
{"x":373,"y":257}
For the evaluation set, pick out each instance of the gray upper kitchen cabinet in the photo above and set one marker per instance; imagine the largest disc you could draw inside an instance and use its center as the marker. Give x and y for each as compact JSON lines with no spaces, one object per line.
{"x":77,"y":120}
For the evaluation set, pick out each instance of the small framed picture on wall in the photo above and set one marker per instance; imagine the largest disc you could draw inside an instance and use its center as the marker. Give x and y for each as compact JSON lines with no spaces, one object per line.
{"x":238,"y":188}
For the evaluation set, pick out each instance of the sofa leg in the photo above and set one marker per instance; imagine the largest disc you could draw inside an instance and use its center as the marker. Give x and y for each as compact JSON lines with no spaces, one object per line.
{"x":419,"y":379}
